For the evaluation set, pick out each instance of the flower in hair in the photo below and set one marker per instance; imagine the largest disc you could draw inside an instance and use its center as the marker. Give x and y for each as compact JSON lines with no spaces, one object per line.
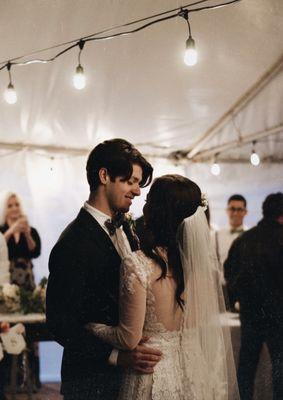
{"x":204,"y":201}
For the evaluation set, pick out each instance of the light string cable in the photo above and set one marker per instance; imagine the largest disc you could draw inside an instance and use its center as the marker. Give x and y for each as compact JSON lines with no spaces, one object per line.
{"x":160,"y":17}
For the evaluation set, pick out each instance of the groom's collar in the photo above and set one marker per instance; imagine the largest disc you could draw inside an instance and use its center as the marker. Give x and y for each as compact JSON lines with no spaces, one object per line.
{"x":87,"y":223}
{"x":98,"y":215}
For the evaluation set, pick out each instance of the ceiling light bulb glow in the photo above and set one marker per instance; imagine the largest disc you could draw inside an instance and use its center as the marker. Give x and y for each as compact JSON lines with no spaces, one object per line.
{"x":255,"y":160}
{"x":10,"y":95}
{"x":79,"y":79}
{"x":215,"y":169}
{"x":191,"y":55}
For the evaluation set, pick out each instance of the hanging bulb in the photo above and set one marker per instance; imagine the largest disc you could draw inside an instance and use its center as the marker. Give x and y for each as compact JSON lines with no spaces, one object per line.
{"x":10,"y":95}
{"x":79,"y":79}
{"x":215,"y":169}
{"x":255,"y":159}
{"x":191,"y":55}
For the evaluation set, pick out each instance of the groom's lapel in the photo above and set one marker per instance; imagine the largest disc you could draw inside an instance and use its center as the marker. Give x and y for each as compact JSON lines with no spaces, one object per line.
{"x":90,"y":226}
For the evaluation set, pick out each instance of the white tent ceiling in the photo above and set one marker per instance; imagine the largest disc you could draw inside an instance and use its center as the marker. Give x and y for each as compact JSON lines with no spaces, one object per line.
{"x":138,"y":86}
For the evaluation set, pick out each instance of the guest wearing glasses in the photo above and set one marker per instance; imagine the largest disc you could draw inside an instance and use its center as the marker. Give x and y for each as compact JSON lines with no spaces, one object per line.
{"x":236,"y":212}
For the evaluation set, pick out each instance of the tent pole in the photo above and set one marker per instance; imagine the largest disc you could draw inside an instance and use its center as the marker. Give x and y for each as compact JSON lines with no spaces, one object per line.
{"x":205,"y":154}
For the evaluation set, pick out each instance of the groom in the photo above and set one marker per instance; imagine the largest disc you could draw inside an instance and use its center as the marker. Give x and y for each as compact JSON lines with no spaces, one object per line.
{"x":84,"y":276}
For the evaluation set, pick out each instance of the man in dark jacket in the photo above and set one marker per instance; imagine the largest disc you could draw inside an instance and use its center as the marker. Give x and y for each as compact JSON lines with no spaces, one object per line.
{"x":84,"y":267}
{"x":254,"y":274}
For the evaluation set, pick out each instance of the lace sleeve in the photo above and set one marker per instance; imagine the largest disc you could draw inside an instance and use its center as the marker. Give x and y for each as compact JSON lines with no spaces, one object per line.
{"x":132,"y":305}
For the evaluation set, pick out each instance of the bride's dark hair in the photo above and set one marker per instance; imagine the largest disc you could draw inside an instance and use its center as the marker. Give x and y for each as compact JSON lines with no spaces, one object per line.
{"x":171,"y":199}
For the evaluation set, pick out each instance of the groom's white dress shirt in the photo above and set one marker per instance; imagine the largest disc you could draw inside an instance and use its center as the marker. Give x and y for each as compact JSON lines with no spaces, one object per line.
{"x":119,"y":236}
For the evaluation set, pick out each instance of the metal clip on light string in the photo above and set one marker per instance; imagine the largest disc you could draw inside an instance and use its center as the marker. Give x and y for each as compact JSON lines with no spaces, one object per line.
{"x":10,"y":95}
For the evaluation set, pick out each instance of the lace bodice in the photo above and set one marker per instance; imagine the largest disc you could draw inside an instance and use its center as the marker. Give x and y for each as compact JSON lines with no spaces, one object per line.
{"x":147,"y":304}
{"x":148,"y":307}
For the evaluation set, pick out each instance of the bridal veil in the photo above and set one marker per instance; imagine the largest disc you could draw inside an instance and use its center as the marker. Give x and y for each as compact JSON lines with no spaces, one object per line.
{"x":204,"y":310}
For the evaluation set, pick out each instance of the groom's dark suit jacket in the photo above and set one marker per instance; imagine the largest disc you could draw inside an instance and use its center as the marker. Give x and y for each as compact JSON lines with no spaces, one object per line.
{"x":83,"y":286}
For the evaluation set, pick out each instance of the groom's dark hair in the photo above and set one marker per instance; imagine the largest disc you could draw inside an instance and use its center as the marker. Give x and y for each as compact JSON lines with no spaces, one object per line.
{"x":117,"y":156}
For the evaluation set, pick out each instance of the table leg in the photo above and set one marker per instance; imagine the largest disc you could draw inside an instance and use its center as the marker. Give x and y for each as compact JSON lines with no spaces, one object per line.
{"x":27,"y":375}
{"x":13,"y":382}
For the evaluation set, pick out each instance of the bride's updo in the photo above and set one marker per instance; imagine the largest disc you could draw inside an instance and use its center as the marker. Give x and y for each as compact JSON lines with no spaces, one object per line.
{"x":171,"y":199}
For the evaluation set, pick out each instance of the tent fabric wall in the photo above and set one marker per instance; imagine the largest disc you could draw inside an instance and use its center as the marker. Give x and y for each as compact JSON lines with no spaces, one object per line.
{"x":53,"y":190}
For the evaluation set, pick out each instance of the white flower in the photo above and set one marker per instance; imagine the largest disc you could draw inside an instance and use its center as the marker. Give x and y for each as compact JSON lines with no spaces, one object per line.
{"x":10,"y":291}
{"x":204,"y":201}
{"x":11,"y":297}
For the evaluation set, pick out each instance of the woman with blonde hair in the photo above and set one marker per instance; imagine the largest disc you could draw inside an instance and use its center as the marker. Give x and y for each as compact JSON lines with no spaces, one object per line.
{"x":23,"y":241}
{"x":24,"y":244}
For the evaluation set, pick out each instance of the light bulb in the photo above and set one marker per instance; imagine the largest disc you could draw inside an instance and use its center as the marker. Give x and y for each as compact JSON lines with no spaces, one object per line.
{"x":79,"y":79}
{"x":10,"y":95}
{"x":255,"y":160}
{"x":215,"y":169}
{"x":191,"y":55}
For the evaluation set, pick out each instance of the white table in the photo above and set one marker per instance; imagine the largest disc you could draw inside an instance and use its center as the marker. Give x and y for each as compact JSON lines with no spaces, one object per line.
{"x":16,"y":318}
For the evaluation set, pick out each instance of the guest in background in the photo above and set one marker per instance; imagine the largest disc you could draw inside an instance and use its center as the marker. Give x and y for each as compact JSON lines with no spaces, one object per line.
{"x":23,"y":245}
{"x":23,"y":242}
{"x":254,"y":275}
{"x":236,"y":212}
{"x":4,"y":261}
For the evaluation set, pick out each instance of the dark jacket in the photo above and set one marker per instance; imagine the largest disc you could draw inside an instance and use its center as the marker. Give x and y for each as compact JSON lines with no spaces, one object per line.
{"x":254,"y":273}
{"x":83,"y":286}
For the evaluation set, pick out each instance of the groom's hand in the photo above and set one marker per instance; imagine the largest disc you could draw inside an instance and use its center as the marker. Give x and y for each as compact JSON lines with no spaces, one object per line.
{"x":142,"y":359}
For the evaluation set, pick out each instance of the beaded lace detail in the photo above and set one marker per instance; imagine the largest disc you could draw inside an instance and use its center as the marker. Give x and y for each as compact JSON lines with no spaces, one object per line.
{"x":176,"y":376}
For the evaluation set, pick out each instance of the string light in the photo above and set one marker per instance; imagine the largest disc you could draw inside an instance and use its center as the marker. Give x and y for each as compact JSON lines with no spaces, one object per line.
{"x":215,"y":167}
{"x":191,"y":55}
{"x":10,"y":95}
{"x":255,"y":159}
{"x":79,"y":79}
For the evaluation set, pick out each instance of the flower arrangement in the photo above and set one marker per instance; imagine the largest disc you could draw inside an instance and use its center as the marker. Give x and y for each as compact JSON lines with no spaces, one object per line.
{"x":16,"y":299}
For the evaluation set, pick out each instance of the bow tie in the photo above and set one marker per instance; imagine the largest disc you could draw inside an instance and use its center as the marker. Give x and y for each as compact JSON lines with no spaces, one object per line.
{"x":114,"y":223}
{"x":237,"y":230}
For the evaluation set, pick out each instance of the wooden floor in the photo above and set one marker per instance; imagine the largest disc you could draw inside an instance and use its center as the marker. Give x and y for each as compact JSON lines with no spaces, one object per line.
{"x":49,"y":391}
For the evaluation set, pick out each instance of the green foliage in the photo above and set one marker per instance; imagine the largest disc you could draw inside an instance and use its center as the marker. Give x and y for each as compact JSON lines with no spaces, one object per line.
{"x":26,"y":302}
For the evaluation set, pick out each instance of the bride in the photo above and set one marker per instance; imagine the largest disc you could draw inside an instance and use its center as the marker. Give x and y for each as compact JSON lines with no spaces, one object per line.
{"x":169,"y":293}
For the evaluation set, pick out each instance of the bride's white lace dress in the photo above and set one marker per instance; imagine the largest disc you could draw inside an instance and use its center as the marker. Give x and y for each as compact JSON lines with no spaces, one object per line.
{"x":148,"y":308}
